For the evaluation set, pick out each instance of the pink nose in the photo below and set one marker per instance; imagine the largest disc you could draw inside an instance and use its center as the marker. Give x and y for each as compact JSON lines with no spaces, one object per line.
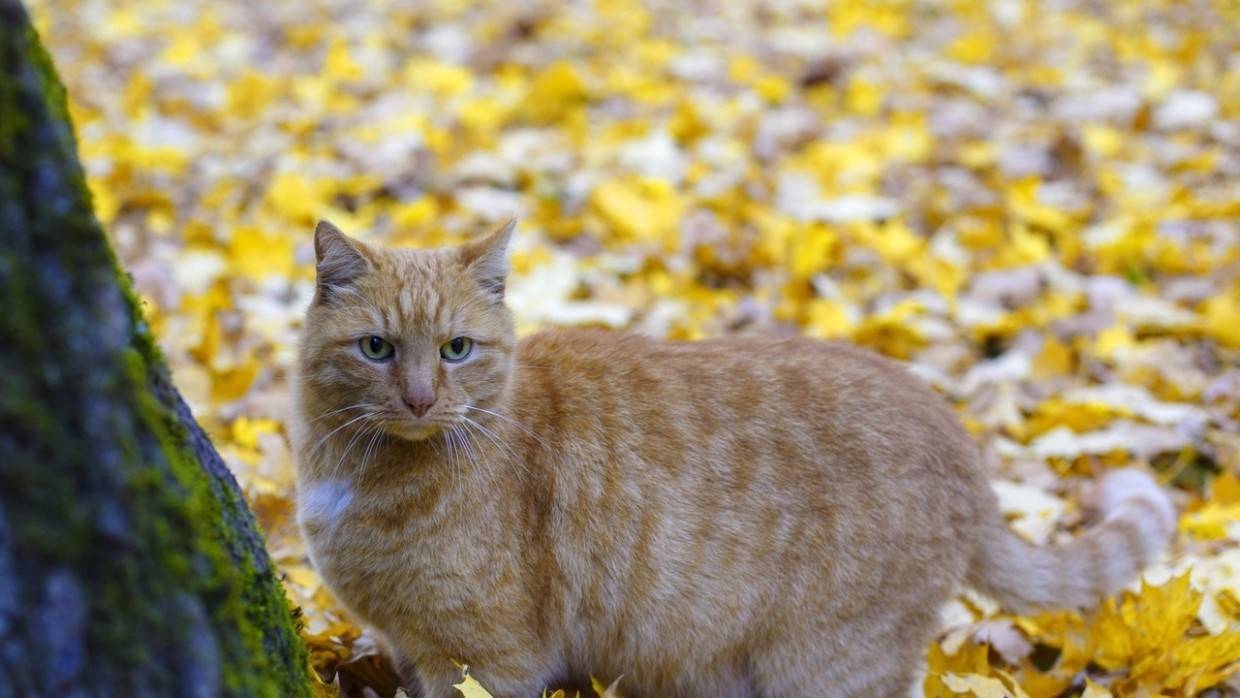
{"x":420,"y":400}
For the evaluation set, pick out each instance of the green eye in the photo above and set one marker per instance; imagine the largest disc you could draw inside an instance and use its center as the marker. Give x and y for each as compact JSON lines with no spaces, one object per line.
{"x":376,"y":348}
{"x":457,"y":349}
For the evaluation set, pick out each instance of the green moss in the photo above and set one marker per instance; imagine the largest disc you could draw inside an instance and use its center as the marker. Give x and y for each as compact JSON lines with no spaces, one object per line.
{"x":53,"y":91}
{"x":99,"y":475}
{"x":227,"y":580}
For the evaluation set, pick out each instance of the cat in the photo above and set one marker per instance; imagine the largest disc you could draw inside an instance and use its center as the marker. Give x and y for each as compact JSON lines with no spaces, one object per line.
{"x":731,"y":517}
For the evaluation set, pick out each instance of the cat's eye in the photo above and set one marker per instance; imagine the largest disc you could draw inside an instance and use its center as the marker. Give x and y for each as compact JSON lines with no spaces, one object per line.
{"x":376,"y":348}
{"x":456,"y":349}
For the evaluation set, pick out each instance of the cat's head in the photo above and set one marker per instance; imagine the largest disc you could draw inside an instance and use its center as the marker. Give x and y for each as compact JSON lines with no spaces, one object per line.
{"x":413,"y":342}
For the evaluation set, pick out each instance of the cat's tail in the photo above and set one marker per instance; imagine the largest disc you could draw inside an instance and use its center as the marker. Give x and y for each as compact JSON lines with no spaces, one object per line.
{"x":1137,"y":525}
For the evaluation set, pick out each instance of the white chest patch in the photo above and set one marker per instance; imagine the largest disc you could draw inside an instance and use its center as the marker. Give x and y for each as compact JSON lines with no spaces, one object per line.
{"x":325,"y":502}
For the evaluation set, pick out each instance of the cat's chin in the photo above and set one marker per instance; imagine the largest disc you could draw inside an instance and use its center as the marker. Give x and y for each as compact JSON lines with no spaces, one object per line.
{"x":415,"y":433}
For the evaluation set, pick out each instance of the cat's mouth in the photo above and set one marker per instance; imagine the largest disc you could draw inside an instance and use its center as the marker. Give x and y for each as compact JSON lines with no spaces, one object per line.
{"x":421,"y":433}
{"x":413,"y":431}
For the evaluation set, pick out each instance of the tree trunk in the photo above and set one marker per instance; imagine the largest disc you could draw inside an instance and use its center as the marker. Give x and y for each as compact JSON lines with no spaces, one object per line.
{"x":129,"y":563}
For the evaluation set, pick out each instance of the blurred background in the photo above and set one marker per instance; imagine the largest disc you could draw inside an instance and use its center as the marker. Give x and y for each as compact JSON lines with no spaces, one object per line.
{"x":1035,"y":204}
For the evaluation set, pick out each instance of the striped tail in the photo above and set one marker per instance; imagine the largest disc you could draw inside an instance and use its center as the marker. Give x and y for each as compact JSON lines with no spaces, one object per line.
{"x":1139,"y":522}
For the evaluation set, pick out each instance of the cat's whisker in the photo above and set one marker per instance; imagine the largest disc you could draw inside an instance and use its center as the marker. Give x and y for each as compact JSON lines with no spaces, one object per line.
{"x":471,"y":424}
{"x":466,"y":465}
{"x":448,"y":440}
{"x":466,"y":448}
{"x":511,"y":421}
{"x":349,"y":446}
{"x":328,"y":435}
{"x":472,"y":456}
{"x":500,"y":442}
{"x":374,"y":441}
{"x":325,"y":415}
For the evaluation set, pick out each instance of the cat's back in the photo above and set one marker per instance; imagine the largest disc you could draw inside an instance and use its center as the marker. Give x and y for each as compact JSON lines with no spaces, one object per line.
{"x":736,"y":378}
{"x":796,"y":401}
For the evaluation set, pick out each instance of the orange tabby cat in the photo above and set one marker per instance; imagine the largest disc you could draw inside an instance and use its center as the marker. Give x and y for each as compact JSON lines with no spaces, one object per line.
{"x":734,"y":517}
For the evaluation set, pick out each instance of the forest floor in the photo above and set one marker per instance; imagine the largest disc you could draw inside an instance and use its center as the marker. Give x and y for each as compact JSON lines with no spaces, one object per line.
{"x":1036,"y":205}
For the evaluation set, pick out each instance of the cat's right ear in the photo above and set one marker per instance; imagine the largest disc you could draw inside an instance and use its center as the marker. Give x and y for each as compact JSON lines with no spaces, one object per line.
{"x":486,"y":259}
{"x":339,"y":261}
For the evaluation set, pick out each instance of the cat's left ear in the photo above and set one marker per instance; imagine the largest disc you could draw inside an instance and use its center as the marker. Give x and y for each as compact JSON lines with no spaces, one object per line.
{"x":487,"y":259}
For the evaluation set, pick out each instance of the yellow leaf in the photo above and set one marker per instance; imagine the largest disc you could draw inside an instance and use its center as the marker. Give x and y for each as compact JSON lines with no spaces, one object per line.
{"x":1225,"y":489}
{"x":1012,"y":684}
{"x":640,"y":210}
{"x":469,"y":686}
{"x":1078,"y":416}
{"x":936,"y":273}
{"x":1212,"y":522}
{"x":1113,"y":342}
{"x":742,"y":68}
{"x":687,"y":124}
{"x":230,"y":384}
{"x":556,"y":89}
{"x":863,"y":97}
{"x":302,"y":576}
{"x":1055,"y":359}
{"x":895,"y":241}
{"x":1024,"y":247}
{"x":975,"y":684}
{"x":772,"y":88}
{"x":1202,"y":662}
{"x":297,"y":198}
{"x":339,"y":64}
{"x":1138,"y":630}
{"x":251,"y":94}
{"x":258,"y":255}
{"x":245,"y":431}
{"x":1093,"y":690}
{"x":970,"y":659}
{"x":324,"y":690}
{"x":1221,"y":319}
{"x":415,"y":213}
{"x":1024,"y":201}
{"x":439,"y":77}
{"x":892,"y":332}
{"x":828,"y":319}
{"x":975,"y":47}
{"x":610,"y":691}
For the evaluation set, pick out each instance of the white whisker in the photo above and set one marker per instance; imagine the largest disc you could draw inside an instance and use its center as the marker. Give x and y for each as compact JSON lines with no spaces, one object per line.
{"x":499,"y":442}
{"x":349,"y":446}
{"x":511,"y":421}
{"x":372,"y":445}
{"x":315,"y":447}
{"x":338,"y":411}
{"x":449,"y":441}
{"x":468,"y":446}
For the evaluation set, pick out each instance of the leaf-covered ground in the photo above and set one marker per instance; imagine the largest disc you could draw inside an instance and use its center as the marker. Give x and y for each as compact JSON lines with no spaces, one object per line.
{"x":1036,"y":204}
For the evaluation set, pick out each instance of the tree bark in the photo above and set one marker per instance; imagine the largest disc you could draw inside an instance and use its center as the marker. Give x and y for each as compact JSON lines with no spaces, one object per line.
{"x":129,"y":562}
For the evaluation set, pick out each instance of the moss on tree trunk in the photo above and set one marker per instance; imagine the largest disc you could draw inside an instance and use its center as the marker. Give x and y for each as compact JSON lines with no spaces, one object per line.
{"x":129,"y":563}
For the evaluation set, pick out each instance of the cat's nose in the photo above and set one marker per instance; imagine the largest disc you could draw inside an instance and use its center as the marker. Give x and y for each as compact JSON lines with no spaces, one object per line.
{"x":420,"y":400}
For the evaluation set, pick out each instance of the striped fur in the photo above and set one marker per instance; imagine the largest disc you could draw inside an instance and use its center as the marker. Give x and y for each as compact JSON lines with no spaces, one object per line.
{"x":734,"y":517}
